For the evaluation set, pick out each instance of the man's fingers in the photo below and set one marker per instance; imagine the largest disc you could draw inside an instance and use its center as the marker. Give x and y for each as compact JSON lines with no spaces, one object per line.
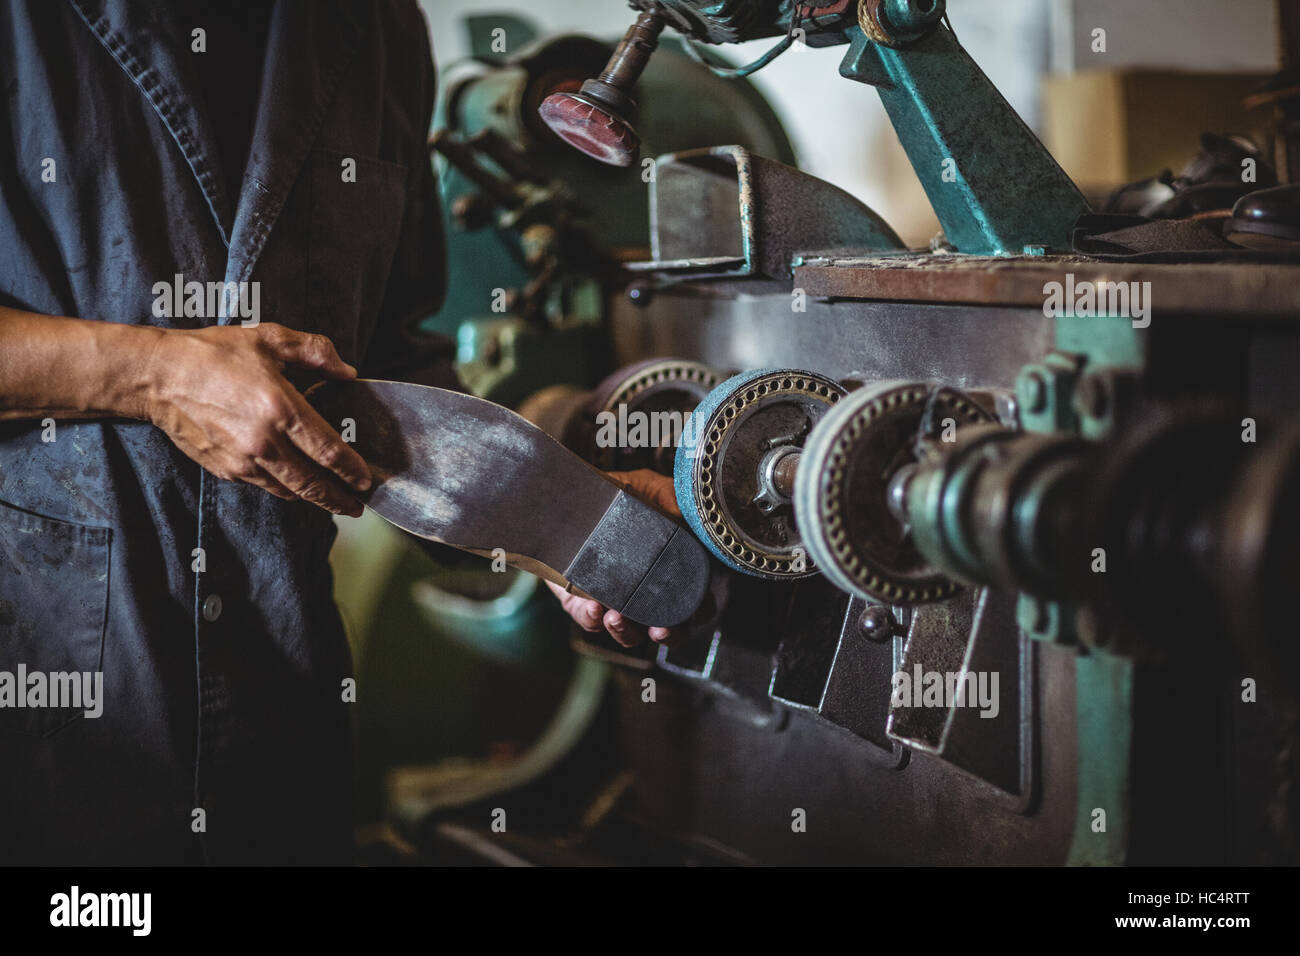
{"x":239,"y":470}
{"x":628,"y":633}
{"x":592,"y":616}
{"x":306,"y":349}
{"x":323,"y":445}
{"x":266,"y":482}
{"x":585,"y":612}
{"x":308,"y":481}
{"x":588,"y":614}
{"x":666,"y":636}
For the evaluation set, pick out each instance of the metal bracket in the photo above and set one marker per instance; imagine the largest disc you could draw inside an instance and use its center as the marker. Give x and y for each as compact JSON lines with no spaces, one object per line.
{"x":725,"y":212}
{"x":995,"y":188}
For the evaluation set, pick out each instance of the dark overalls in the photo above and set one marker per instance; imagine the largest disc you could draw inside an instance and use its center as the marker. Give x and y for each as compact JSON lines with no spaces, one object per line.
{"x":222,"y":686}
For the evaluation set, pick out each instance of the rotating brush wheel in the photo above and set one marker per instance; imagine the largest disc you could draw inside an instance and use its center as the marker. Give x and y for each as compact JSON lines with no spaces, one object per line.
{"x":735,"y":468}
{"x":560,"y":411}
{"x":647,"y":405}
{"x":842,"y":489}
{"x":633,"y":419}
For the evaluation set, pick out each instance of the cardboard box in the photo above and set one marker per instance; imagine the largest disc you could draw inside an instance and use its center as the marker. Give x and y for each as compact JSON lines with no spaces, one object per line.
{"x":1107,"y":128}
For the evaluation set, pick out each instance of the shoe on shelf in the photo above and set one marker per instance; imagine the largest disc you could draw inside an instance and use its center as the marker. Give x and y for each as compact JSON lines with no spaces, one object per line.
{"x":1268,"y":219}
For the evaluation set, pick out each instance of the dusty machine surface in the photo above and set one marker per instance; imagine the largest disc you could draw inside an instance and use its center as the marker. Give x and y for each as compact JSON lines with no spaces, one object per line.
{"x":1002,"y":532}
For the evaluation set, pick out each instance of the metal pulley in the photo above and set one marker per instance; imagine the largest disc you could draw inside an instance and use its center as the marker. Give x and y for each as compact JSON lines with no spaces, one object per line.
{"x":736,"y":466}
{"x":633,"y":419}
{"x":640,"y":413}
{"x":851,"y":466}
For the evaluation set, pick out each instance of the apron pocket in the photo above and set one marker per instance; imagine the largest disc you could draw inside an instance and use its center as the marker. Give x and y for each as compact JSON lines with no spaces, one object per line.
{"x":53,"y":608}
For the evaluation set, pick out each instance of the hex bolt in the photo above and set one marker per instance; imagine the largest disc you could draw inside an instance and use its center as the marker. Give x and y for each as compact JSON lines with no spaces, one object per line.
{"x":776,"y":474}
{"x":784,"y":473}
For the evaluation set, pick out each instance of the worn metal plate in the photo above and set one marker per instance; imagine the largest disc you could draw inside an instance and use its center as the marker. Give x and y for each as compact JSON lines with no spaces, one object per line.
{"x":753,"y":327}
{"x":1227,"y":289}
{"x":726,"y":211}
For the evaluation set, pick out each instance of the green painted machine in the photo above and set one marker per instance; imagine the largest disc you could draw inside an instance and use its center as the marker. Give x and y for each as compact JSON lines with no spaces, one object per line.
{"x":538,"y":231}
{"x":979,"y":466}
{"x":442,"y":637}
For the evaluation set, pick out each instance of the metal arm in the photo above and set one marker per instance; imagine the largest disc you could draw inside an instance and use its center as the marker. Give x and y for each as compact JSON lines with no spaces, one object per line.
{"x":995,"y":188}
{"x":993,"y":185}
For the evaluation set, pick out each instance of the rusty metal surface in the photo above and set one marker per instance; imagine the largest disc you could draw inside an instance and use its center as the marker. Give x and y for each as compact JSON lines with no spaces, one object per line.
{"x":973,"y":638}
{"x":740,"y":773}
{"x":959,"y":346}
{"x":1230,"y":289}
{"x":726,"y":211}
{"x":710,"y":769}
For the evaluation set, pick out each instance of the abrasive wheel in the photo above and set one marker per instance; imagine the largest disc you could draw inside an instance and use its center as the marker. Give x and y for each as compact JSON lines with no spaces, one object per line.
{"x":734,"y":472}
{"x":638,"y":413}
{"x":842,"y":489}
{"x":561,"y":412}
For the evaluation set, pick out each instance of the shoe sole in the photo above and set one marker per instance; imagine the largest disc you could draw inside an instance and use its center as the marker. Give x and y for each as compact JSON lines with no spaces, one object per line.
{"x":465,"y":472}
{"x":1262,"y":236}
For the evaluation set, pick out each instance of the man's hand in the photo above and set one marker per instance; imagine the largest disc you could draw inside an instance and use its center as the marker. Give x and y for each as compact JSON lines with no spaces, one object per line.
{"x":593,"y":616}
{"x":220,"y":394}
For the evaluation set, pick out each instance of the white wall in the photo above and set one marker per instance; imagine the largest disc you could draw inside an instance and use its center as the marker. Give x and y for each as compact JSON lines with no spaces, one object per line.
{"x":1218,"y":36}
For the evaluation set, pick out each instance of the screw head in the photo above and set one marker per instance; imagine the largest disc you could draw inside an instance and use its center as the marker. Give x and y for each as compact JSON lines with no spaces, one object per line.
{"x":640,"y":292}
{"x":877,"y":623}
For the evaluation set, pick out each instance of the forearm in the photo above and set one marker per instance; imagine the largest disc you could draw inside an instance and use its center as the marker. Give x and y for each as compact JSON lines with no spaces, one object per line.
{"x":56,"y":367}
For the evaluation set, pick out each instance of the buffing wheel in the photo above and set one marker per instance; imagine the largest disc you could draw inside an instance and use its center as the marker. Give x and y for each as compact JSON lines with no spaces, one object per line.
{"x":842,"y":488}
{"x":654,"y":398}
{"x":733,"y":467}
